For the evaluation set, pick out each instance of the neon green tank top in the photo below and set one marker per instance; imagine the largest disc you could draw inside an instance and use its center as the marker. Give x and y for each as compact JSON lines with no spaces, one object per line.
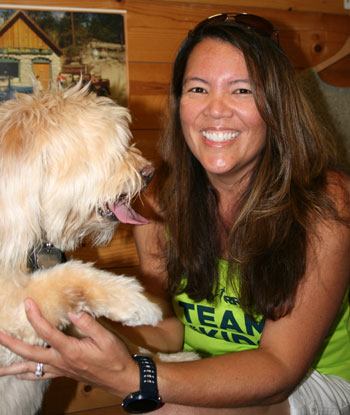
{"x":222,"y":327}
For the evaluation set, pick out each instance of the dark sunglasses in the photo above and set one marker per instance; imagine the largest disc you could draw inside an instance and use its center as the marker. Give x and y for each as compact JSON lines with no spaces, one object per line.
{"x":251,"y":21}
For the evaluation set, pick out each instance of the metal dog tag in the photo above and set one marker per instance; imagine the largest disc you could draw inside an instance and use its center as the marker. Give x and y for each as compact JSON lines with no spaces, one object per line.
{"x":46,"y":257}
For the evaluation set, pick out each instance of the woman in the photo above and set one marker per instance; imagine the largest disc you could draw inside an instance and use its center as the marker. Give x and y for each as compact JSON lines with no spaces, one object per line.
{"x":250,"y":237}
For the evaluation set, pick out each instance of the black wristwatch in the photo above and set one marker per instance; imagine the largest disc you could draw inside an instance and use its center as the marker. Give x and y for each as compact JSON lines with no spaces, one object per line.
{"x":147,"y":398}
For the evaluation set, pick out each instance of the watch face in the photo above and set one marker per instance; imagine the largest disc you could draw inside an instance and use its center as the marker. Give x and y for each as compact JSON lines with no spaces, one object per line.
{"x":141,"y":406}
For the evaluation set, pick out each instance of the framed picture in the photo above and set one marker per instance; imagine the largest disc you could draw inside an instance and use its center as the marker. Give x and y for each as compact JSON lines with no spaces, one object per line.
{"x":60,"y":46}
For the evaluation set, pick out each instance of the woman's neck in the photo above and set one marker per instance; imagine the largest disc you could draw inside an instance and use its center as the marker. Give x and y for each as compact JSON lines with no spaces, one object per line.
{"x":229,"y":194}
{"x":227,"y":213}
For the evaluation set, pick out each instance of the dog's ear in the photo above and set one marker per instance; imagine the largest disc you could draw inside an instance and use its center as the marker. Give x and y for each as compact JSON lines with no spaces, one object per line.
{"x":19,"y":189}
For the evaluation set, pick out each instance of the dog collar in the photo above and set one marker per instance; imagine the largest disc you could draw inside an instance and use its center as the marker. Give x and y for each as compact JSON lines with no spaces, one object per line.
{"x":46,"y":256}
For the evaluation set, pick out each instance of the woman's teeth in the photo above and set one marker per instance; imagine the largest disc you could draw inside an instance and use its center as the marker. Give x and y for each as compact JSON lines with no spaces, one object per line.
{"x":219,"y":136}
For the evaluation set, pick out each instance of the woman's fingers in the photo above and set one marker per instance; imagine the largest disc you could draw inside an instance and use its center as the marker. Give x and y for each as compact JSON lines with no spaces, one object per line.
{"x":58,"y":340}
{"x":44,"y":329}
{"x":92,"y":329}
{"x":36,"y":371}
{"x":18,"y":368}
{"x":62,"y":355}
{"x":26,"y":371}
{"x":27,"y":351}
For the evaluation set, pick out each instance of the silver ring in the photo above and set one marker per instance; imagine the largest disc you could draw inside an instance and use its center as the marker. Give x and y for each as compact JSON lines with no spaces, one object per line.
{"x":39,"y":370}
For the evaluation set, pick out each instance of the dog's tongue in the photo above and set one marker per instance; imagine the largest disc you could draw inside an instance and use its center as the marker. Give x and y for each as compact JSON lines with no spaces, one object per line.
{"x":126,"y":214}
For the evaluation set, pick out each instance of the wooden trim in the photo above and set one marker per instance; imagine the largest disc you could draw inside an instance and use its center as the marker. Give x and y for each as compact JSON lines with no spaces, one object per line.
{"x":324,"y":6}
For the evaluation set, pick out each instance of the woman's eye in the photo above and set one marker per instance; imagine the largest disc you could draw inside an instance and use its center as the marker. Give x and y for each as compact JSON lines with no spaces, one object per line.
{"x":242,"y":91}
{"x":197,"y":90}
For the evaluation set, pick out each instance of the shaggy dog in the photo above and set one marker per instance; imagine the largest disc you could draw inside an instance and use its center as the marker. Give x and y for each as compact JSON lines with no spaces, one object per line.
{"x":67,"y":171}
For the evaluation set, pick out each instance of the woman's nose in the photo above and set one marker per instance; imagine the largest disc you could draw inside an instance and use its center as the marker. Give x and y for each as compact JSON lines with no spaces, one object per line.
{"x":218,"y":106}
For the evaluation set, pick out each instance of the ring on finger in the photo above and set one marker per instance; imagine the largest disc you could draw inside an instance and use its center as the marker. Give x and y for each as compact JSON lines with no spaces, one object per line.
{"x":39,"y":370}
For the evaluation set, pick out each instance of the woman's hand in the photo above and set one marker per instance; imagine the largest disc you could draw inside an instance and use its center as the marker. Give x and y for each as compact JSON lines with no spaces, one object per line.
{"x":100,"y":358}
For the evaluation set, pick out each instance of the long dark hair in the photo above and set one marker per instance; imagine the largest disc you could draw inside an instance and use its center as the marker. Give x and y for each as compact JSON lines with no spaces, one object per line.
{"x":287,"y":189}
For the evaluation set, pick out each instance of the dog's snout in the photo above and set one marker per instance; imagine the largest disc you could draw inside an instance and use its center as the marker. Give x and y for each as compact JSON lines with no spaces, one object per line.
{"x":147,"y":173}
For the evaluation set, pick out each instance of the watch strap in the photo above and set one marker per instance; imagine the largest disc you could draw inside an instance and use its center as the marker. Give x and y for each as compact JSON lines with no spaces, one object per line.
{"x":148,"y":375}
{"x":146,"y":399}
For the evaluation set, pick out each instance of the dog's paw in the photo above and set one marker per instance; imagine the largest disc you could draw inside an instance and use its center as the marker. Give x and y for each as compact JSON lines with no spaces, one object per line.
{"x":76,"y":286}
{"x":128,"y":303}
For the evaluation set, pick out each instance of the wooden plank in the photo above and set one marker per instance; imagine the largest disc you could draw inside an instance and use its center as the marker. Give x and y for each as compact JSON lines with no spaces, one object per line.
{"x":324,"y":6}
{"x":100,"y":4}
{"x":148,"y":78}
{"x":335,"y":77}
{"x":121,"y":252}
{"x":146,"y":141}
{"x":147,"y":111}
{"x":67,"y":396}
{"x":112,"y":410}
{"x":149,"y":87}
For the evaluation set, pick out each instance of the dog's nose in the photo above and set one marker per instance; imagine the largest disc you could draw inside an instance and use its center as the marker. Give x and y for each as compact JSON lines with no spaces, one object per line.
{"x":147,"y":173}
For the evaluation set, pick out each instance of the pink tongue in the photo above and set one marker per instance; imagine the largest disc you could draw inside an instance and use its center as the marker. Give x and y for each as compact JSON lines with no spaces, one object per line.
{"x":126,"y":214}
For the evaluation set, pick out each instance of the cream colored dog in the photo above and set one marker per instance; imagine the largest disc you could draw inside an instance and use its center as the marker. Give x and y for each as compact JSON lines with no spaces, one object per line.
{"x":67,"y":171}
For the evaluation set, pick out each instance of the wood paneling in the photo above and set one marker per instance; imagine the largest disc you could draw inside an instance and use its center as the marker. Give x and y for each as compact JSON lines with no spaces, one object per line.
{"x":149,"y":87}
{"x":120,"y":252}
{"x":20,"y":35}
{"x":147,"y":110}
{"x":155,"y":31}
{"x":147,"y":142}
{"x":67,"y":396}
{"x":324,"y":6}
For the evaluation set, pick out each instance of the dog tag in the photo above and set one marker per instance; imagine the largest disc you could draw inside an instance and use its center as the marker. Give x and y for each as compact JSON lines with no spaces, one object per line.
{"x":46,"y":257}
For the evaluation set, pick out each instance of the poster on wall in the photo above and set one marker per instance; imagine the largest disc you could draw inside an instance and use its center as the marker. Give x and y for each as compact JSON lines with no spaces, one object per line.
{"x":59,"y":47}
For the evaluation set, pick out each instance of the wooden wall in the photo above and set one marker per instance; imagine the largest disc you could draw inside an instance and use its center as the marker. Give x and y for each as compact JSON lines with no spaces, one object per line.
{"x":310,"y":31}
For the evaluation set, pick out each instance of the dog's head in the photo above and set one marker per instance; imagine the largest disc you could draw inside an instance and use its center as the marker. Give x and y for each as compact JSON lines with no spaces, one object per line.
{"x":67,"y":171}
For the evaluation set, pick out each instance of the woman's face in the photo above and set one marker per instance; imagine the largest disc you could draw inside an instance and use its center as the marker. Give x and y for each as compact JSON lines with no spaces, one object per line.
{"x":219,"y":118}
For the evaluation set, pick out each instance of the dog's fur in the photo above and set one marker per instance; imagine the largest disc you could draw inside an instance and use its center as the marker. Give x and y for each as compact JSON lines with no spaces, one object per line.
{"x":65,"y":157}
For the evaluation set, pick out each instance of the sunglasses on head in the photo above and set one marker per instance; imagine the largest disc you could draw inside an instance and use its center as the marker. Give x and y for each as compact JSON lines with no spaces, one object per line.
{"x":251,"y":21}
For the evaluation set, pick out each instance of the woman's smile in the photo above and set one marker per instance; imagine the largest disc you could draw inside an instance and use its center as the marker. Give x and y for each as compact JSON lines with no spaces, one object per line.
{"x":220,"y":136}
